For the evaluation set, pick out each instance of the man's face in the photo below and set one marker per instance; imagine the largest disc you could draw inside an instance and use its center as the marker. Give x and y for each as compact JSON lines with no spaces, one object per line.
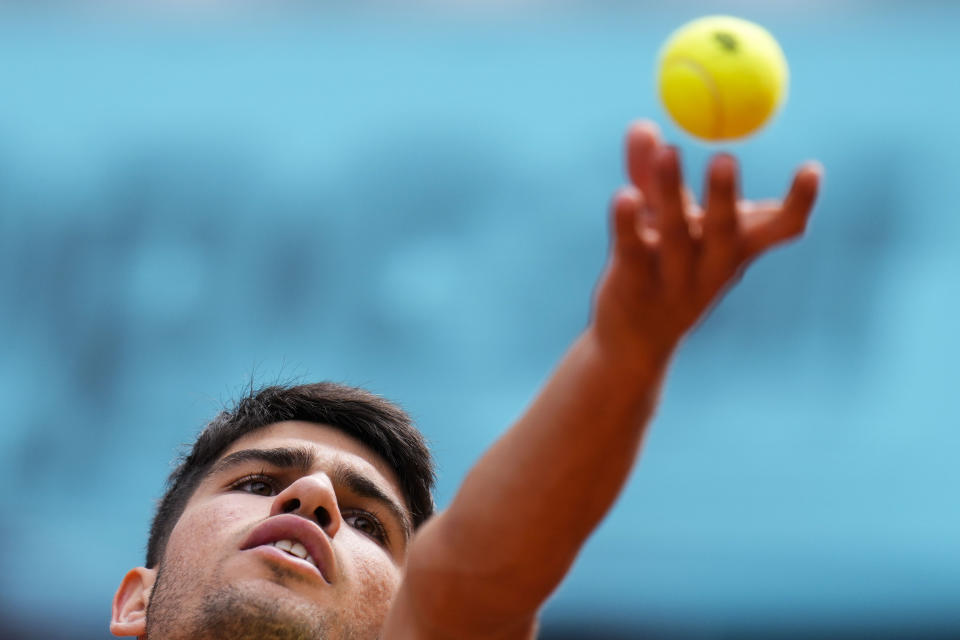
{"x":335,"y":501}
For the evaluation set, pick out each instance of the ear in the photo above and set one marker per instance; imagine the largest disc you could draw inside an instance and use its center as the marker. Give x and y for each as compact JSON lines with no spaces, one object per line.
{"x":130,"y":603}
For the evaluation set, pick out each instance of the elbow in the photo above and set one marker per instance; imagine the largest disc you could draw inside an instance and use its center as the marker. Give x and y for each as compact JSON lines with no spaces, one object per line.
{"x":458,"y":584}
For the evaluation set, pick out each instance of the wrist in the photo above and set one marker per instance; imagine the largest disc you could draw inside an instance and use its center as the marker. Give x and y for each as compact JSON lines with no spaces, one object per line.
{"x":643,"y":359}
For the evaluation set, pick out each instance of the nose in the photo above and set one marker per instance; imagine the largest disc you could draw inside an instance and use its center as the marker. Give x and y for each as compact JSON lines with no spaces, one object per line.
{"x":313,"y":498}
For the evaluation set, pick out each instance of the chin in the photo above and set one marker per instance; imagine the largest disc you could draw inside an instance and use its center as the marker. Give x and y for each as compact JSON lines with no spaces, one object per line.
{"x":254,"y":610}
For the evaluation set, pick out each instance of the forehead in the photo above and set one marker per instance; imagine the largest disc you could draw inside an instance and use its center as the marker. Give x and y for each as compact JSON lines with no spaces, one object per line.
{"x":329,"y":445}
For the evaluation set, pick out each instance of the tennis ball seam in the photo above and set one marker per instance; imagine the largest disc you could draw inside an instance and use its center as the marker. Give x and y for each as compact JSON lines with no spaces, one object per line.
{"x":711,"y":87}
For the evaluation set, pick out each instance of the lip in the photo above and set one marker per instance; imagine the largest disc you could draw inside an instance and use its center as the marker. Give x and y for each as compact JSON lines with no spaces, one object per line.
{"x":291,"y":527}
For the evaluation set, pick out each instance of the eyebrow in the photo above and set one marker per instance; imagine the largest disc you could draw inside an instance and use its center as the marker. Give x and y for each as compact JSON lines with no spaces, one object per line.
{"x":303,"y":460}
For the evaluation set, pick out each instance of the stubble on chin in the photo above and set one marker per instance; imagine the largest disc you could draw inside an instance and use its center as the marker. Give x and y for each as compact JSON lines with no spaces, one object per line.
{"x":232,"y":614}
{"x":229,"y":612}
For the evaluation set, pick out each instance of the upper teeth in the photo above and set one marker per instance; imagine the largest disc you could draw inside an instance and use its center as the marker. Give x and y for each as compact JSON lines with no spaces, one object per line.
{"x":295,"y":548}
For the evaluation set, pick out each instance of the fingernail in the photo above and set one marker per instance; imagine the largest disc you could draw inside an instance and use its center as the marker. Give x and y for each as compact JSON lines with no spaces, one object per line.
{"x":669,"y":151}
{"x":646,"y":125}
{"x":722,"y":160}
{"x":627,"y":191}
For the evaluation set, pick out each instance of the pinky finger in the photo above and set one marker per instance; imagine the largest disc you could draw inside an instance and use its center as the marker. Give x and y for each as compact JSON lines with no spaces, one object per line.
{"x":626,"y":210}
{"x":634,"y":241}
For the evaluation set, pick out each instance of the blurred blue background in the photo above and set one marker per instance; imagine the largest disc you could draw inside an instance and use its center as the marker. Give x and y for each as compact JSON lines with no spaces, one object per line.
{"x":412,"y":198}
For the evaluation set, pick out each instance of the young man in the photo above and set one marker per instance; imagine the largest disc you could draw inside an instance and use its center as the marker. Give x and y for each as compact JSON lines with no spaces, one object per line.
{"x":294,"y":515}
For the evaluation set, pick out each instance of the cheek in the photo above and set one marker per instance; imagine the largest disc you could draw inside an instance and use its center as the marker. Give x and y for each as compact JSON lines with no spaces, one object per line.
{"x":379,"y":579}
{"x":206,"y":529}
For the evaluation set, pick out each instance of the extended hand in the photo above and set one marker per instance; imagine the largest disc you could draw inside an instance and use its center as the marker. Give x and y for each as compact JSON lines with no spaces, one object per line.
{"x":671,"y":259}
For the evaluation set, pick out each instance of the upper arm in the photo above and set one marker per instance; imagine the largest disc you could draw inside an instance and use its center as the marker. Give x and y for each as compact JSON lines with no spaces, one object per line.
{"x":438,"y":601}
{"x":406,"y":622}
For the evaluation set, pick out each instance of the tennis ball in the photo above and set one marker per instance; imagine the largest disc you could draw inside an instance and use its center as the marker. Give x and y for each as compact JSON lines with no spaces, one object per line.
{"x":721,"y":77}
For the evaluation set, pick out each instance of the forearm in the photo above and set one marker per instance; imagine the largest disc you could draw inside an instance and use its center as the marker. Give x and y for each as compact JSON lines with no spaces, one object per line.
{"x":483,"y":567}
{"x":527,"y":506}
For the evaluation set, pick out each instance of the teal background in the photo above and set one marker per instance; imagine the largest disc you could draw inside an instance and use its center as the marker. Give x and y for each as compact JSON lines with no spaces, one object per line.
{"x":412,"y":198}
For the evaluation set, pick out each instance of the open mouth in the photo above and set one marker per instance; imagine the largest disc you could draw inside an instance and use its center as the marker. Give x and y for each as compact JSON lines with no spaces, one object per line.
{"x":298,"y":537}
{"x":295,"y":549}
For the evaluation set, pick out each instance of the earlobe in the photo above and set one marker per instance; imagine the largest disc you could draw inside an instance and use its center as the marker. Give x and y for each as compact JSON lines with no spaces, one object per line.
{"x":130,"y":603}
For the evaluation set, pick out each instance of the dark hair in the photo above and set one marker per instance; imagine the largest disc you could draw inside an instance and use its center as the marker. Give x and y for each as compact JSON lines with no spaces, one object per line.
{"x":377,"y":423}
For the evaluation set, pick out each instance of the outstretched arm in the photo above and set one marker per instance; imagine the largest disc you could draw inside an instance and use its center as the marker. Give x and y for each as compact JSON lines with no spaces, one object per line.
{"x":484,"y":566}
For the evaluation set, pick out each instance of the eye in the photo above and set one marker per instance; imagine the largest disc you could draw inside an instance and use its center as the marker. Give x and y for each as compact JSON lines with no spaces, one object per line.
{"x":367,"y":524}
{"x":257,"y":485}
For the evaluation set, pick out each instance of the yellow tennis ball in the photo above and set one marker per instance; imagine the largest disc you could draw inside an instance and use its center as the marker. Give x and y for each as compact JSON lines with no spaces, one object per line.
{"x":721,"y":77}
